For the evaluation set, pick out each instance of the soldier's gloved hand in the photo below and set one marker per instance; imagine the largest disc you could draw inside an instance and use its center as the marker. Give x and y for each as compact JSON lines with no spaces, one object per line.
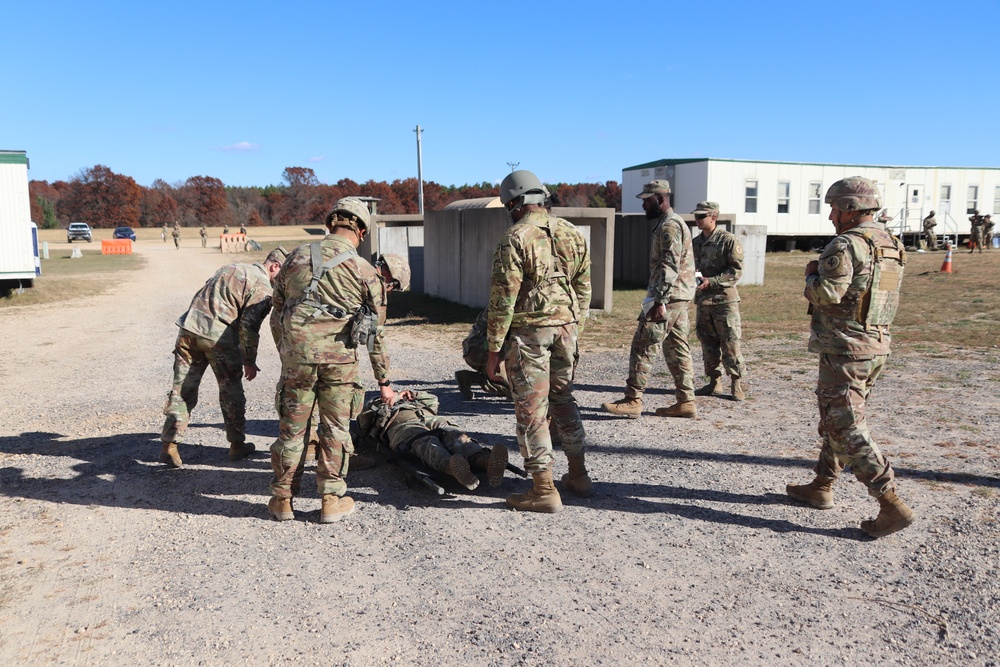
{"x":493,"y":367}
{"x":812,"y":268}
{"x":657,"y":313}
{"x":250,"y":371}
{"x":388,"y":395}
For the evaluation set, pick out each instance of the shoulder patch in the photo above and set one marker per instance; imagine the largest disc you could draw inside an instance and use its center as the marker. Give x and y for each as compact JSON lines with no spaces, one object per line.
{"x":831,"y":262}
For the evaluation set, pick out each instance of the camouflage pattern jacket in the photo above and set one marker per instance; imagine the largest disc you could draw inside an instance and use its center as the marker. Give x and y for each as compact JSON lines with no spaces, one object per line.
{"x":307,"y":335}
{"x":541,"y":277}
{"x":231,"y":306}
{"x":720,"y":260}
{"x":929,"y":223}
{"x":851,"y":315}
{"x":402,"y":423}
{"x":671,"y":261}
{"x":475,"y":348}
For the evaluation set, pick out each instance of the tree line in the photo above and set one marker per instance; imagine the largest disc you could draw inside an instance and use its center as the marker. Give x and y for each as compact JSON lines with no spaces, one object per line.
{"x":102,"y":198}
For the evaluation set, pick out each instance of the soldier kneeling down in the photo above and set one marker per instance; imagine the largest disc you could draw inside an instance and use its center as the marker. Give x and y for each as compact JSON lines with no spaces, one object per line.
{"x":411,"y":426}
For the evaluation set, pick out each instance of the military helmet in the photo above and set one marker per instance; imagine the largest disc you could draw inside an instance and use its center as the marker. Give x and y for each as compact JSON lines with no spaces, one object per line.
{"x":855,"y":193}
{"x":278,"y":255}
{"x":399,"y":269}
{"x":522,"y":183}
{"x":351,"y":208}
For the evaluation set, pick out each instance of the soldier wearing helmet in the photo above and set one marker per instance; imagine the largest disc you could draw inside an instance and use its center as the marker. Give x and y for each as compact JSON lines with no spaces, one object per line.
{"x":987,"y":231}
{"x":324,"y":295}
{"x":540,"y":297}
{"x":853,"y":292}
{"x":976,"y":229}
{"x":930,"y":222}
{"x":394,"y":271}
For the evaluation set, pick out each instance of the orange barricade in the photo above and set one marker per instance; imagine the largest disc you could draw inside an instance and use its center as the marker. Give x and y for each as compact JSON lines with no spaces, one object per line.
{"x":233,"y":242}
{"x":116,"y":247}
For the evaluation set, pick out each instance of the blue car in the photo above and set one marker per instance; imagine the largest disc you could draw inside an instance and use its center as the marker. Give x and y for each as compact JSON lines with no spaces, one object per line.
{"x":124,"y":233}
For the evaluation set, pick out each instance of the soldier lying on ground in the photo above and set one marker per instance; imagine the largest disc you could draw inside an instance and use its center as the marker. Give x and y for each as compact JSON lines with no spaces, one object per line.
{"x":412,"y":426}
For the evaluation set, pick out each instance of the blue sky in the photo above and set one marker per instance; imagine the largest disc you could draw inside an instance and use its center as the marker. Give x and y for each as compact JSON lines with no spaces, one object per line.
{"x":574,"y":91}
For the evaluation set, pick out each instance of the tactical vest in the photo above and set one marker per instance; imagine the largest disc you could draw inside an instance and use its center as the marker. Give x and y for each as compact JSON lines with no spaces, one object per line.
{"x":553,"y":275}
{"x":877,"y":305}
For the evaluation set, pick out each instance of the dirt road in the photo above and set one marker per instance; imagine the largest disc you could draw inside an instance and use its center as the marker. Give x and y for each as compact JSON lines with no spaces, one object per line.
{"x":689,"y":553}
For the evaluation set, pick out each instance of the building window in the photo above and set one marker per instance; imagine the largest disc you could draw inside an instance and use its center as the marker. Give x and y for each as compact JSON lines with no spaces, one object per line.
{"x":815,"y":188}
{"x":751,"y":197}
{"x":972,"y":204}
{"x":945,"y":198}
{"x":784,"y":195}
{"x":996,"y":200}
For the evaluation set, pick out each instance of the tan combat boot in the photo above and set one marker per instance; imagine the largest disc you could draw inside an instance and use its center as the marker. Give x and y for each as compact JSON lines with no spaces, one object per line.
{"x":577,"y":480}
{"x":458,"y":467}
{"x":739,"y":394}
{"x":280,"y":508}
{"x":541,"y":497}
{"x":625,"y":407}
{"x":494,"y":462}
{"x":686,"y":409}
{"x":465,"y":378}
{"x":710,"y":388}
{"x":240,"y":450}
{"x":335,"y":508}
{"x":818,"y":493}
{"x":893,"y":515}
{"x":170,"y":456}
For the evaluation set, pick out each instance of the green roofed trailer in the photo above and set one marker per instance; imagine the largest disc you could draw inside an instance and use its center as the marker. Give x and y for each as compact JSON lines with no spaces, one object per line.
{"x":18,"y":235}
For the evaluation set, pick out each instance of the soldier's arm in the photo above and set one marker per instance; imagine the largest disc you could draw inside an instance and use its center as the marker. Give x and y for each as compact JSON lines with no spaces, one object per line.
{"x":379,"y":354}
{"x":731,"y":275}
{"x":582,"y":287}
{"x":835,"y":271}
{"x":504,"y":287}
{"x":667,"y":270}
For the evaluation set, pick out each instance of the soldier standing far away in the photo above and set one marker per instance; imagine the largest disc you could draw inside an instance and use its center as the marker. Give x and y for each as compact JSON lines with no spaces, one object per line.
{"x":540,"y":296}
{"x":718,"y":256}
{"x":204,"y":235}
{"x":853,"y":294}
{"x":930,"y":222}
{"x":220,"y":329}
{"x":177,"y":235}
{"x":663,"y":321}
{"x":987,"y":231}
{"x":976,"y":237}
{"x":163,"y":234}
{"x":243,"y":230}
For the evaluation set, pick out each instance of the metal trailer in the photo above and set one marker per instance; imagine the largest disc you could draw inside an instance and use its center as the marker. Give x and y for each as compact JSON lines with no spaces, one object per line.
{"x":19,"y":263}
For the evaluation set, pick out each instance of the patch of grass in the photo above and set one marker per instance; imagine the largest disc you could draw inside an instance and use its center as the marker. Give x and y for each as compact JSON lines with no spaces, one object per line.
{"x":63,"y":278}
{"x":983,"y":492}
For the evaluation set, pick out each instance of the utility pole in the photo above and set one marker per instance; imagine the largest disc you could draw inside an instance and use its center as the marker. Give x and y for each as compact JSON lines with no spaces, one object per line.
{"x":513,"y":166}
{"x":420,"y":174}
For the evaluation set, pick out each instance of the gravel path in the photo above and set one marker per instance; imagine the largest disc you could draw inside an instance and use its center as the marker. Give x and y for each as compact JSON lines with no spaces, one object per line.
{"x":688,"y":554}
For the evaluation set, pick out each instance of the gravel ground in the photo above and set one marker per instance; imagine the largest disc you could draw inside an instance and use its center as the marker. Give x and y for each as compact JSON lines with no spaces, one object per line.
{"x":689,"y":552}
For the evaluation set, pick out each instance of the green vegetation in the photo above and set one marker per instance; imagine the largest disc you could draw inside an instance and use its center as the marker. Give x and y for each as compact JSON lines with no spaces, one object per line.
{"x":64,"y":278}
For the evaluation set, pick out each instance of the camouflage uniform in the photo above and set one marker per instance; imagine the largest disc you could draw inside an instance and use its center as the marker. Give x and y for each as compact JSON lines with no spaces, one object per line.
{"x":930,"y":222}
{"x":220,"y":329}
{"x":540,"y":298}
{"x":720,"y":260}
{"x":204,"y":236}
{"x":163,"y":233}
{"x":317,"y":364}
{"x":177,"y":237}
{"x":976,"y":235}
{"x":476,"y":355}
{"x":842,"y":299}
{"x":987,"y":232}
{"x":671,"y":283}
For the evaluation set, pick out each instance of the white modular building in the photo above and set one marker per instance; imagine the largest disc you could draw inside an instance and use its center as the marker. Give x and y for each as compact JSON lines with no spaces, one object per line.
{"x":18,"y":235}
{"x":787,"y":197}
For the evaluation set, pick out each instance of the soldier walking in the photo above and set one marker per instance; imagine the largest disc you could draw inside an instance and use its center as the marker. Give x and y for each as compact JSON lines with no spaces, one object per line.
{"x":853,"y":292}
{"x":540,"y":297}
{"x":177,"y":235}
{"x":930,"y":222}
{"x":204,"y":236}
{"x":663,"y":322}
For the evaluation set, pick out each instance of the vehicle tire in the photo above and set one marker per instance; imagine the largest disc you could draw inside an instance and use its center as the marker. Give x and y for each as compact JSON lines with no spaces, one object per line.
{"x":69,"y":240}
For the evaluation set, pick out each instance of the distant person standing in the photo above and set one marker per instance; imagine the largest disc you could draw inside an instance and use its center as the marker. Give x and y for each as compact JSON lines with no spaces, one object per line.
{"x":718,"y":255}
{"x":163,"y":234}
{"x":177,"y":235}
{"x":987,"y":231}
{"x":976,"y":235}
{"x":204,"y":236}
{"x":243,"y":230}
{"x":853,"y":292}
{"x":930,"y":222}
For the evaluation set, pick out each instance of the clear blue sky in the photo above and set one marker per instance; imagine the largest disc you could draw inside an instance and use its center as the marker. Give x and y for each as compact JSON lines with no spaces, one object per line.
{"x":574,"y":91}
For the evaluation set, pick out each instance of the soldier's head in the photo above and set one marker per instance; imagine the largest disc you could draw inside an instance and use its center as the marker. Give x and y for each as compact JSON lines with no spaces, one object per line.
{"x":349,"y":216}
{"x":394,"y":271}
{"x":273,"y":262}
{"x":852,"y":200}
{"x":520,"y":192}
{"x":655,"y":198}
{"x":931,"y":214}
{"x":706,"y":216}
{"x":975,"y":211}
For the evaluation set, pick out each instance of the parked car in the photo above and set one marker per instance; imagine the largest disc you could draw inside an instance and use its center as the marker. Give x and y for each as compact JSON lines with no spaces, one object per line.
{"x":124,"y":233}
{"x":78,"y":230}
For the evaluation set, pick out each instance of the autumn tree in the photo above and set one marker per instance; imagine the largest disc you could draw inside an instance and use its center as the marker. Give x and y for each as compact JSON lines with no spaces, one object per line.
{"x":203,"y":201}
{"x":102,"y":198}
{"x":159,"y":205}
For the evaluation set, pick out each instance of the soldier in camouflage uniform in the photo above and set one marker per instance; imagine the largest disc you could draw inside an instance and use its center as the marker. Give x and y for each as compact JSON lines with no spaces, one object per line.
{"x":663,"y":322}
{"x":163,"y":232}
{"x":177,"y":235}
{"x":220,"y":329}
{"x":328,"y":302}
{"x":412,"y":426}
{"x":976,"y":235}
{"x":930,"y":222}
{"x":987,"y":231}
{"x":204,"y":236}
{"x":718,"y":255}
{"x":476,"y":354}
{"x":540,"y":298}
{"x":853,"y":292}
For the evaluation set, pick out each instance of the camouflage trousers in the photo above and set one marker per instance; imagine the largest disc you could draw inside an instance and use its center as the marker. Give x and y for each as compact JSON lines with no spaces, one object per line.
{"x":843,"y":388}
{"x":541,"y":365}
{"x":339,"y":397}
{"x":204,"y":241}
{"x":193,"y":354}
{"x":436,"y":448}
{"x":719,"y":329}
{"x":931,"y":240}
{"x":672,"y":335}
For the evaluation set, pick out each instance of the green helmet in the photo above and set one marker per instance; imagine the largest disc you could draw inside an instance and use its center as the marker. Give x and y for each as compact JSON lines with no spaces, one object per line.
{"x":348,"y":212}
{"x":522,"y":183}
{"x":855,"y":193}
{"x":399,"y":269}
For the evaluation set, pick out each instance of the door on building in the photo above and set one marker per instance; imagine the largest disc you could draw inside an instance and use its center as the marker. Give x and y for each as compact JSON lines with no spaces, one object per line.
{"x":914,"y":206}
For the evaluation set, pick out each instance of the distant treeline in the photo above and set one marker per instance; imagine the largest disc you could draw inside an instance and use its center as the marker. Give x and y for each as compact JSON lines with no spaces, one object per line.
{"x":102,"y":198}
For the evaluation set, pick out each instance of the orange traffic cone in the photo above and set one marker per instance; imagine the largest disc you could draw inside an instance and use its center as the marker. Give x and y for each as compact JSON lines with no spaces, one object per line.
{"x":946,"y":265}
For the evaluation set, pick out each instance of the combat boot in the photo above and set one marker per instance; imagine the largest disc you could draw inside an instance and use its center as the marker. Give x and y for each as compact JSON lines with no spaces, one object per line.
{"x":577,"y":480}
{"x":280,"y":508}
{"x":335,"y":508}
{"x":541,"y":497}
{"x":710,"y":388}
{"x":240,"y":450}
{"x":625,"y":407}
{"x":893,"y":515}
{"x":170,"y":456}
{"x":458,"y":467}
{"x":493,"y":461}
{"x":739,"y":394}
{"x":465,"y":378}
{"x":818,"y":493}
{"x":686,"y":409}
